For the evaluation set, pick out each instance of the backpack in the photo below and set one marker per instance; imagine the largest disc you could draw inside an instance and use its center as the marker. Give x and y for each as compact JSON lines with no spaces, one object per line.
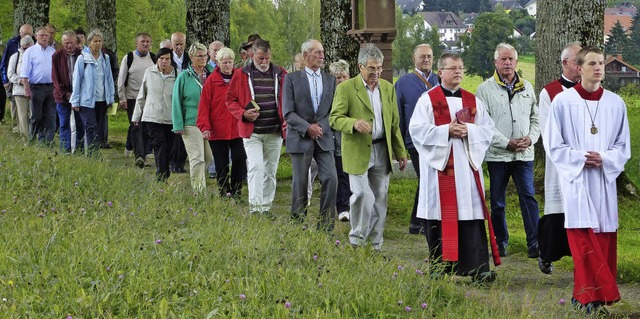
{"x":130,"y":62}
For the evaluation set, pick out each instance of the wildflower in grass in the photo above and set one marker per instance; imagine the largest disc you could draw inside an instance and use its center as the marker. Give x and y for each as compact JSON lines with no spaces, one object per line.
{"x":419,"y":272}
{"x":53,"y":209}
{"x":226,"y":281}
{"x":108,"y":269}
{"x":561,"y":301}
{"x":109,"y":204}
{"x":315,"y":257}
{"x":319,"y":285}
{"x":424,"y":305}
{"x":467,"y":294}
{"x":69,"y":317}
{"x":395,"y":274}
{"x":82,"y":209}
{"x":407,"y":309}
{"x":400,"y":302}
{"x":4,"y":299}
{"x":287,"y":305}
{"x":400,"y":267}
{"x":4,"y":210}
{"x":337,"y":242}
{"x":243,"y":296}
{"x":75,"y":184}
{"x":158,"y":241}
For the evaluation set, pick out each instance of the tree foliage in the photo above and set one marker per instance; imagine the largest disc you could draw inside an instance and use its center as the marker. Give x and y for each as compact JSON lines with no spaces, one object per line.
{"x":411,"y":31}
{"x":632,"y":52}
{"x":458,"y":5}
{"x":618,"y":40}
{"x":207,"y":21}
{"x":335,"y":21}
{"x":490,"y":29}
{"x":523,"y":21}
{"x":34,"y":12}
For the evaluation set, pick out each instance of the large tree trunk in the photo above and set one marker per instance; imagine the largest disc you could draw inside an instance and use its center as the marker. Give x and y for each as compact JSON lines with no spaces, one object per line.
{"x":335,"y":21}
{"x":559,"y":23}
{"x":33,"y":12}
{"x":101,"y":14}
{"x":207,"y":20}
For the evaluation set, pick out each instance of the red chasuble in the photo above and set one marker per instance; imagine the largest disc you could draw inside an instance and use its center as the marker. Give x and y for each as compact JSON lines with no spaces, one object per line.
{"x":447,"y":181}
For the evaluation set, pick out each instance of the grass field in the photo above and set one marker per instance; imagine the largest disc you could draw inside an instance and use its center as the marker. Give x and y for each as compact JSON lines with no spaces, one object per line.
{"x":99,"y":238}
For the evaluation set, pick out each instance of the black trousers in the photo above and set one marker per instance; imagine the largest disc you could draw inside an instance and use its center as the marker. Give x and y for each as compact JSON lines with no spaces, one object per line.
{"x":344,"y":191}
{"x":415,"y":222}
{"x":229,"y":183}
{"x":161,"y":139}
{"x":473,"y":249}
{"x":178,"y":152}
{"x":92,"y":119}
{"x":3,"y":102}
{"x":137,"y":138}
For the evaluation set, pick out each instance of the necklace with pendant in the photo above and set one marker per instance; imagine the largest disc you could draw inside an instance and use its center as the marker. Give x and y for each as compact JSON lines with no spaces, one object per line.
{"x":594,"y":129}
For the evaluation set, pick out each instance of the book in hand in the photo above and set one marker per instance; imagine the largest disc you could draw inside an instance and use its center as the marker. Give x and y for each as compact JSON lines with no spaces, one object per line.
{"x":464,"y":115}
{"x":255,"y":105}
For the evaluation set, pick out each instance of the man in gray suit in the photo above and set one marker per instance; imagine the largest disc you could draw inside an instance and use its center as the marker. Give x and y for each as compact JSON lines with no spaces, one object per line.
{"x":306,"y":104}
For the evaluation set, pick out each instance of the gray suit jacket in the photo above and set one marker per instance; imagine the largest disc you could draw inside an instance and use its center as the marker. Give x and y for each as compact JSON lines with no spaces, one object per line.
{"x":297,"y":108}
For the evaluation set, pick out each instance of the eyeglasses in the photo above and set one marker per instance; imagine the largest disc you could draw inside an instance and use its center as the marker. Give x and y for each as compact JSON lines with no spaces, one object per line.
{"x":372,"y":69}
{"x":454,"y":69}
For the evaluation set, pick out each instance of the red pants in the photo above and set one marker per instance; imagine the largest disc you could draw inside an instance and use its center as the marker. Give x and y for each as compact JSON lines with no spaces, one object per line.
{"x":595,"y":265}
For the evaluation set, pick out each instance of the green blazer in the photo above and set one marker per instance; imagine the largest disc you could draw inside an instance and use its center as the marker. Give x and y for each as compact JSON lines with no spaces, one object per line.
{"x":350,"y":103}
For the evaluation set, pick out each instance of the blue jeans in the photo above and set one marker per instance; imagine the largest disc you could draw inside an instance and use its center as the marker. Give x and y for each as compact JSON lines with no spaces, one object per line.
{"x":64,"y":113}
{"x":522,"y":173}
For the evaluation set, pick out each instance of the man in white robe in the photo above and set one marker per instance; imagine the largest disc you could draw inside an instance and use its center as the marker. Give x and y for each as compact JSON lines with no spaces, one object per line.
{"x":436,"y":129}
{"x":552,"y":238}
{"x":587,"y":139}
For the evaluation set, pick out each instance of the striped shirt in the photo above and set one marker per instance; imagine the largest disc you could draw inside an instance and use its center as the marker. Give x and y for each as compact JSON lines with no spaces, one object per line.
{"x":264,"y":87}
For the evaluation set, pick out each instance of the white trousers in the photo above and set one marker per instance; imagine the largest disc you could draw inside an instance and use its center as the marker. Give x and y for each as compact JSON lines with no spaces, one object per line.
{"x":199,"y":153}
{"x":368,"y":211}
{"x":263,"y":155}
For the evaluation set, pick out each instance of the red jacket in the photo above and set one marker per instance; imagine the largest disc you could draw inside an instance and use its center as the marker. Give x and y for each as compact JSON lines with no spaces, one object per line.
{"x":213,"y":115}
{"x":239,"y":96}
{"x":60,"y":75}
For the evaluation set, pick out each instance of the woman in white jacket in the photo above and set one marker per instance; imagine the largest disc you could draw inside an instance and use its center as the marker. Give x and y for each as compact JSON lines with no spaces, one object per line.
{"x":22,"y":102}
{"x":153,"y":110}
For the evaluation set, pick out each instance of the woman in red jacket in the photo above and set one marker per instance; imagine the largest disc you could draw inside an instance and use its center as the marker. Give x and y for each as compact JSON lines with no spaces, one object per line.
{"x":221,"y":129}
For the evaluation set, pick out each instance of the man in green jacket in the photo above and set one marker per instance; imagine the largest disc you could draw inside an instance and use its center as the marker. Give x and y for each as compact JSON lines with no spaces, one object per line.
{"x":365,"y":111}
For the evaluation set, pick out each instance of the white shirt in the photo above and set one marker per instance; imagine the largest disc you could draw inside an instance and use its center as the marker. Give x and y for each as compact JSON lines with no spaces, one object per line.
{"x":377,"y":130}
{"x":178,"y":61}
{"x":315,"y":86}
{"x":37,"y":64}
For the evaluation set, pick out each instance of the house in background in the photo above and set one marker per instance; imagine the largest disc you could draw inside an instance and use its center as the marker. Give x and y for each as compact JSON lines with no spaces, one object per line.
{"x":508,"y":5}
{"x":611,"y":19}
{"x":410,"y":6}
{"x":531,"y":7}
{"x":619,"y":73}
{"x":449,"y":25}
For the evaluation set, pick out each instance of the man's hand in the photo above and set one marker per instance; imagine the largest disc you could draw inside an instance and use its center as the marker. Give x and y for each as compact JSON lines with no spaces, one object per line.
{"x":250,"y":115}
{"x":402,"y":163}
{"x":180,"y":132}
{"x":523,"y":144}
{"x":362,"y":126}
{"x":457,"y":130}
{"x":315,"y":131}
{"x":76,"y":108}
{"x":123,"y":104}
{"x":593,"y":159}
{"x":135,"y":123}
{"x":206,"y":135}
{"x":513,"y":145}
{"x":6,"y":85}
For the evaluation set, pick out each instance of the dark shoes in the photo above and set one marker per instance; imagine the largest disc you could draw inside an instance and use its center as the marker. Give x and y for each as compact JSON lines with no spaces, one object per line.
{"x":545,"y":267}
{"x":486,"y":277}
{"x":177,"y":169}
{"x":140,"y":162}
{"x":533,"y":252}
{"x":502,"y":251}
{"x":416,"y":229}
{"x":596,"y":308}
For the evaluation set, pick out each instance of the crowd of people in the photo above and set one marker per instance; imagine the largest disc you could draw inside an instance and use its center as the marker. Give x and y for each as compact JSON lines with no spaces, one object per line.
{"x":231,"y":120}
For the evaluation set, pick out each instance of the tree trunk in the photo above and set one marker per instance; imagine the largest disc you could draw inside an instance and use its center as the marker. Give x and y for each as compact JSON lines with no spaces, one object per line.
{"x":33,"y":12}
{"x":101,"y":14}
{"x":559,"y":23}
{"x":335,"y":21}
{"x":207,"y":20}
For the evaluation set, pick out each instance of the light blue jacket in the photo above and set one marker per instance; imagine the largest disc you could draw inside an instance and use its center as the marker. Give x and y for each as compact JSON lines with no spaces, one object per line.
{"x":84,"y":74}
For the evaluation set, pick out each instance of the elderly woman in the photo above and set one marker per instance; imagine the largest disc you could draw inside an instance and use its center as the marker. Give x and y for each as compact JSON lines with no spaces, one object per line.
{"x":22,"y":102}
{"x":186,"y":96}
{"x":93,"y":90}
{"x":153,"y":109}
{"x":220,"y":127}
{"x":340,"y":69}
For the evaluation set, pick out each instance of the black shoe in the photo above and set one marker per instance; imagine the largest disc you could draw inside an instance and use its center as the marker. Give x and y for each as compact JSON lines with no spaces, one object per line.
{"x":486,"y":277}
{"x":105,"y":146}
{"x":533,"y":252}
{"x":545,"y":267}
{"x":416,"y":229}
{"x":180,"y":170}
{"x":213,"y":175}
{"x":140,"y":162}
{"x":502,"y":251}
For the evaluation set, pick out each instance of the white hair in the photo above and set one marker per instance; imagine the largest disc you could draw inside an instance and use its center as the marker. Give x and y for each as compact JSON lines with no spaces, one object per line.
{"x":370,"y":52}
{"x":504,"y":46}
{"x":567,"y":50}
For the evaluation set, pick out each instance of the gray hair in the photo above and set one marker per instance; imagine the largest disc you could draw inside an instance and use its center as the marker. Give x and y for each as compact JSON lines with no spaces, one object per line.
{"x":94,"y":33}
{"x":369,"y":52}
{"x":225,"y":53}
{"x":163,"y":43}
{"x":306,"y":46}
{"x":70,"y":34}
{"x":217,"y":42}
{"x":340,"y":66}
{"x":567,"y":50}
{"x":26,"y":40}
{"x":502,"y":46}
{"x":195,"y":47}
{"x":421,"y":45}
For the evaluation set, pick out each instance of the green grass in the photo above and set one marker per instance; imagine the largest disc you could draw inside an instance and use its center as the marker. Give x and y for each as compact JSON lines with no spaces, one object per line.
{"x":99,"y":238}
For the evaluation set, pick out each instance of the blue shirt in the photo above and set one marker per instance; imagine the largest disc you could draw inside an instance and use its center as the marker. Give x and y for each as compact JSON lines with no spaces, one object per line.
{"x":315,"y":86}
{"x":37,"y":64}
